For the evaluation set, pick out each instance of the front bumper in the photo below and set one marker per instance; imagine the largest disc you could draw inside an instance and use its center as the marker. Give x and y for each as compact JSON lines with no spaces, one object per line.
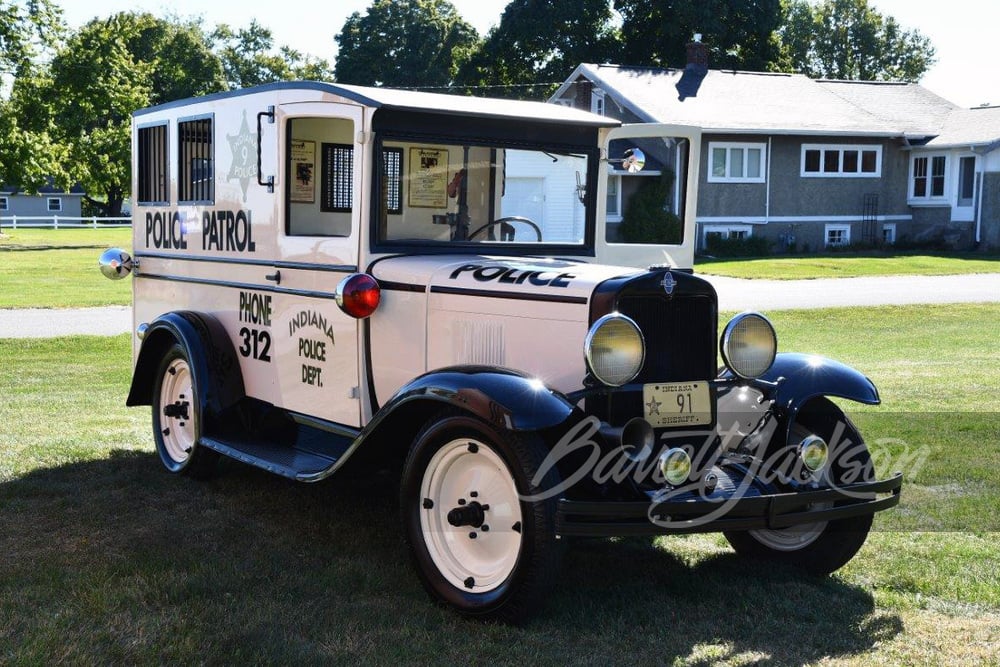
{"x":776,"y":510}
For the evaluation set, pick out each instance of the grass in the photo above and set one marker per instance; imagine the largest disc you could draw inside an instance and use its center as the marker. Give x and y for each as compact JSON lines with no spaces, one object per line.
{"x":849,"y":266}
{"x":105,"y":558}
{"x":41,"y":268}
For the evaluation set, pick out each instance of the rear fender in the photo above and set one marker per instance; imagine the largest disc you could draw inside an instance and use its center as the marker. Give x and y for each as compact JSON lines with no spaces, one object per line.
{"x":215,"y":367}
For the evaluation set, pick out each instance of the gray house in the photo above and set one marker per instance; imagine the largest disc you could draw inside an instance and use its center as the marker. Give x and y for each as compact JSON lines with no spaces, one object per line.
{"x":809,"y":164}
{"x":48,"y":203}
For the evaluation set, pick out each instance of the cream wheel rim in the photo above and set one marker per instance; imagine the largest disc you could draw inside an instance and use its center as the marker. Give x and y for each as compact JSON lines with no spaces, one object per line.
{"x":466,"y":482}
{"x":177,"y":418}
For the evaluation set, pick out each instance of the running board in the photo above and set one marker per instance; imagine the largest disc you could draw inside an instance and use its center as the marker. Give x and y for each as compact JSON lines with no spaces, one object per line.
{"x":313,"y":453}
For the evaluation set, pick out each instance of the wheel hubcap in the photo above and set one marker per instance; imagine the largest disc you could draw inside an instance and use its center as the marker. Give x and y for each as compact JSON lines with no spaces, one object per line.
{"x":471,"y":516}
{"x":177,"y":423}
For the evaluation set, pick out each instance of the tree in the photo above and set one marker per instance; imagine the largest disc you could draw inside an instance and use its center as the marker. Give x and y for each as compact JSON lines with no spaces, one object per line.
{"x":27,"y":29}
{"x":249,"y":58}
{"x":537,"y":44}
{"x":79,"y":108}
{"x":404,"y":43}
{"x":847,"y":39}
{"x":741,"y":34}
{"x":646,"y":218}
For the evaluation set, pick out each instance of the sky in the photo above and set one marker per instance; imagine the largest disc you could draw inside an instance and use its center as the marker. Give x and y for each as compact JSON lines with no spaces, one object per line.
{"x":962,"y":31}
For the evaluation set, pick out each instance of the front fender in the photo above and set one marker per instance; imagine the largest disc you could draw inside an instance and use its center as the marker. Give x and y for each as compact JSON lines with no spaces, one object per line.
{"x":500,"y":396}
{"x":803,"y":377}
{"x":214,"y":364}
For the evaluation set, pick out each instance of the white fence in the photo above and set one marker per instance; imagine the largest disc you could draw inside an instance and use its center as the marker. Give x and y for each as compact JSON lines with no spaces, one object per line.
{"x":61,"y":222}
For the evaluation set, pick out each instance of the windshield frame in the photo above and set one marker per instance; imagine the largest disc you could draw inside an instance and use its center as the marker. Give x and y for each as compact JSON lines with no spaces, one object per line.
{"x":526,"y":134}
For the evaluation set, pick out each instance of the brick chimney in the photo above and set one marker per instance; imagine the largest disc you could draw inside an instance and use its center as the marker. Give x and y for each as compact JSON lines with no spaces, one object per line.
{"x":584,"y":90}
{"x":697,"y":53}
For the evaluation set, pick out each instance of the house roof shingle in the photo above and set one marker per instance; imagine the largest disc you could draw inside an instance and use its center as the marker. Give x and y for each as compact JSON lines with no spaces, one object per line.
{"x":773,"y":103}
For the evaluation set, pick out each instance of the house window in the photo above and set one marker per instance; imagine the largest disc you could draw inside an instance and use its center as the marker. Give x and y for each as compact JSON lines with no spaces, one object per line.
{"x":722,"y":232}
{"x":928,"y":176}
{"x":55,"y":204}
{"x":736,"y":163}
{"x":196,"y":178}
{"x":4,"y":204}
{"x":597,"y":102}
{"x":614,"y":201}
{"x":837,"y":235}
{"x":889,"y":233}
{"x":836,"y":161}
{"x":152,"y":164}
{"x":966,"y":181}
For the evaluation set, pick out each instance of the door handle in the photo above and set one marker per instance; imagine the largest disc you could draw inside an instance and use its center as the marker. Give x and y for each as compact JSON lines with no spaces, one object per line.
{"x":276,"y":277}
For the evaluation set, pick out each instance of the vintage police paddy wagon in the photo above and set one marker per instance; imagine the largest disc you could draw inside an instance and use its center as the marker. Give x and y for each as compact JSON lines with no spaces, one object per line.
{"x":326,"y":270}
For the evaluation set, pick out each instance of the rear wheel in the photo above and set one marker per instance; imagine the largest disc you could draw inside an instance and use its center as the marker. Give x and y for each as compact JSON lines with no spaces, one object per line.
{"x":177,"y":418}
{"x":479,"y":548}
{"x":824,"y":546}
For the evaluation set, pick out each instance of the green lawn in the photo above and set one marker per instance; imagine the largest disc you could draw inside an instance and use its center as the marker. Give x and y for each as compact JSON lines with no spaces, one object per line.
{"x":849,"y":266}
{"x":106,"y":558}
{"x":45,"y":268}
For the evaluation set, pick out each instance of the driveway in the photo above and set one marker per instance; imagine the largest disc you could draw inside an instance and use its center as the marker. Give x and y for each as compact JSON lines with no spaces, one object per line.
{"x":735,"y":294}
{"x":764,"y":295}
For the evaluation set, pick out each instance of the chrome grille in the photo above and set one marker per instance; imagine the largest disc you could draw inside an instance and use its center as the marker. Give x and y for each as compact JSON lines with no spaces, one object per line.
{"x":680,"y":335}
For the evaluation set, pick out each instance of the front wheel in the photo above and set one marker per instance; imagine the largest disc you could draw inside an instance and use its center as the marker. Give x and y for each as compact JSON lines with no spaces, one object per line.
{"x":177,"y":418}
{"x":821,"y":547}
{"x":478,"y":546}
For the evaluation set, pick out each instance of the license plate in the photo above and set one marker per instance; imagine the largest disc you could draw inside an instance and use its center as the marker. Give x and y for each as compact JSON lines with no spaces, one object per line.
{"x":677,"y":404}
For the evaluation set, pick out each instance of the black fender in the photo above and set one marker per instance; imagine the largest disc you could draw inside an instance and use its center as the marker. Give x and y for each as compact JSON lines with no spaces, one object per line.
{"x":805,"y":376}
{"x":215,"y":367}
{"x":801,"y":378}
{"x":500,"y":396}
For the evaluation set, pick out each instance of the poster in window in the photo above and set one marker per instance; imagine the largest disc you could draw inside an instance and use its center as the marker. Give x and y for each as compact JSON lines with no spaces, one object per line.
{"x":303,"y":171}
{"x":428,"y":178}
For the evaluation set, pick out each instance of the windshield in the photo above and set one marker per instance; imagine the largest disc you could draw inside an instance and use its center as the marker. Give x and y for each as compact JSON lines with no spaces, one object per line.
{"x":460,"y":193}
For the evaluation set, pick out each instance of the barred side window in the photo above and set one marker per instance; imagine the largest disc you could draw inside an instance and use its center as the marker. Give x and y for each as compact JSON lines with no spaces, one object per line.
{"x":152,"y":165}
{"x":337,"y":181}
{"x":196,"y":174}
{"x":392,"y":166}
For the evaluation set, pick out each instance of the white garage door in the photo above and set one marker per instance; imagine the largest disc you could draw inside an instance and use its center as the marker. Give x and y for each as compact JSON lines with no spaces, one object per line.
{"x":525,"y":197}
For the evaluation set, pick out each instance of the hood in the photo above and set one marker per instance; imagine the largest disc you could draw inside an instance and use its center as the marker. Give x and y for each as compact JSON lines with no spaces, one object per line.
{"x":531,"y":279}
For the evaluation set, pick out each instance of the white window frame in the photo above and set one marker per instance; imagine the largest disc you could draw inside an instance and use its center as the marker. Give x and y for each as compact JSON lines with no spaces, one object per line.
{"x":959,"y":159}
{"x":928,"y":197}
{"x":616,"y":216}
{"x":4,"y":203}
{"x":836,"y":228}
{"x":54,"y":204}
{"x":726,"y":231}
{"x":729,"y":147}
{"x":841,"y":149}
{"x":889,"y":233}
{"x":597,"y":102}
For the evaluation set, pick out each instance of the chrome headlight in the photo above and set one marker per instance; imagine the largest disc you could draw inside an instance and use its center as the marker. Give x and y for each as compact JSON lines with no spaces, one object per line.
{"x":749,"y":345}
{"x":614,"y":349}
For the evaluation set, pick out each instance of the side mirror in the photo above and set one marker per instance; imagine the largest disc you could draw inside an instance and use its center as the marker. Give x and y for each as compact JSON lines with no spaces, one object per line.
{"x":634,"y":160}
{"x":115,"y":263}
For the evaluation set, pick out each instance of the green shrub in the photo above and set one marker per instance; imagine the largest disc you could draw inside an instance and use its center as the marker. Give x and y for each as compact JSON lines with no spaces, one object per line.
{"x":751,"y":246}
{"x":646,"y":219}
